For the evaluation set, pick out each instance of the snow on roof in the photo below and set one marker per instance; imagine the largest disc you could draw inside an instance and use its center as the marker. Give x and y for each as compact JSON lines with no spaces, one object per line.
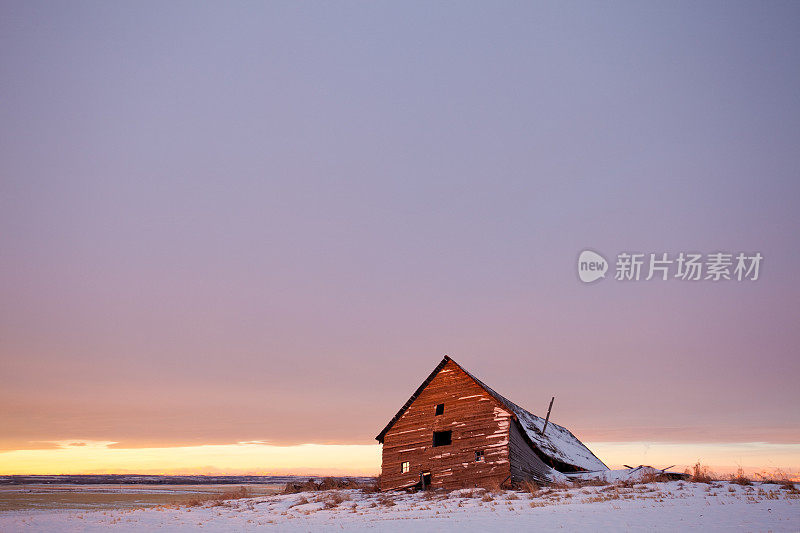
{"x":557,"y":443}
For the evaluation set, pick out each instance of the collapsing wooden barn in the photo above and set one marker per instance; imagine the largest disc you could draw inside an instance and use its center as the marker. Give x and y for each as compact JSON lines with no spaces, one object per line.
{"x":456,"y":432}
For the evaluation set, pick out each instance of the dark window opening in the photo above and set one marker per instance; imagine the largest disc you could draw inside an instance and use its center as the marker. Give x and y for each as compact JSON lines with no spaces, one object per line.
{"x":442,"y":438}
{"x":440,"y":409}
{"x":479,"y":455}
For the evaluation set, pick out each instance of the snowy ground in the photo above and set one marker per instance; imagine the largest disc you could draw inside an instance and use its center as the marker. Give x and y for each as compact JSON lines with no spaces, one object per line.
{"x":672,"y":506}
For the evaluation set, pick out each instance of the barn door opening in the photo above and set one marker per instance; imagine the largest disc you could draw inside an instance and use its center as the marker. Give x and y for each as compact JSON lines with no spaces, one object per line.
{"x":425,"y":479}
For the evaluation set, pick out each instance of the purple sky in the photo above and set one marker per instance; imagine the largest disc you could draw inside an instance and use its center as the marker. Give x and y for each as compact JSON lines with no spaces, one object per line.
{"x":269,"y":221}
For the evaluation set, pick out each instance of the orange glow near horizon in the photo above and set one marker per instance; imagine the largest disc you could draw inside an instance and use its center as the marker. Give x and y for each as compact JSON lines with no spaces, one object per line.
{"x":255,"y":458}
{"x":242,"y":459}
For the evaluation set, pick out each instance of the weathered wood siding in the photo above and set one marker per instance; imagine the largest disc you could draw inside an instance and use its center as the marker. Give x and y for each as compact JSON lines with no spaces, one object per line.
{"x":524,"y":463}
{"x":477,"y":421}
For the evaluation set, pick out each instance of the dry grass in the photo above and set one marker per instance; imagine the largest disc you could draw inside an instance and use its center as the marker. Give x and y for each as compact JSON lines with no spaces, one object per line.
{"x":219,"y":498}
{"x":605,"y":497}
{"x":561,"y":485}
{"x":302,"y":501}
{"x":580,"y":483}
{"x":654,"y":477}
{"x":59,"y":496}
{"x":739,"y":478}
{"x":435,"y":494}
{"x":333,"y":499}
{"x":531,"y":488}
{"x":700,"y":474}
{"x":328,"y":483}
{"x":386,"y":500}
{"x":372,"y":488}
{"x":778,"y":477}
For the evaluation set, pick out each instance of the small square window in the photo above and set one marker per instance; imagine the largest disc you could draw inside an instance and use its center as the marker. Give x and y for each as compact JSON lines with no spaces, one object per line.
{"x":479,"y":456}
{"x":405,"y":467}
{"x":440,"y":409}
{"x":442,"y":438}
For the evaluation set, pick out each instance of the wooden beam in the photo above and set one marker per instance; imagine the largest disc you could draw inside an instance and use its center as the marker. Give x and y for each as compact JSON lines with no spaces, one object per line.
{"x":546,"y":420}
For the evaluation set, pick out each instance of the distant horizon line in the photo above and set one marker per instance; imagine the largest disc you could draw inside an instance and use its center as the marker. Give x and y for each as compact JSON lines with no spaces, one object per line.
{"x":676,"y":467}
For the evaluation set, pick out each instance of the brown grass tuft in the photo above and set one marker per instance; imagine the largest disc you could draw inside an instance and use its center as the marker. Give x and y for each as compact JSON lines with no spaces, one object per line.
{"x":653,"y":477}
{"x":739,"y":478}
{"x":700,"y":473}
{"x":579,"y":483}
{"x":302,"y":501}
{"x":219,"y":498}
{"x":386,"y":500}
{"x":373,"y":487}
{"x":531,"y":488}
{"x":777,"y":477}
{"x":606,"y":496}
{"x":332,"y":500}
{"x":328,"y":483}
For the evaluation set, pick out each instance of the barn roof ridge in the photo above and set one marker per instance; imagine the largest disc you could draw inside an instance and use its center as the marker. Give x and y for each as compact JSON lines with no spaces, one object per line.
{"x":413,"y":397}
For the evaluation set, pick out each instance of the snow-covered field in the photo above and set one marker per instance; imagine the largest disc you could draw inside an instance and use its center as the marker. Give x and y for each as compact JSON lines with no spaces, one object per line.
{"x":670,"y":506}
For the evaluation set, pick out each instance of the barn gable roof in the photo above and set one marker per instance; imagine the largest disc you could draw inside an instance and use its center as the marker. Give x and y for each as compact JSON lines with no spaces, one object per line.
{"x":558,"y":443}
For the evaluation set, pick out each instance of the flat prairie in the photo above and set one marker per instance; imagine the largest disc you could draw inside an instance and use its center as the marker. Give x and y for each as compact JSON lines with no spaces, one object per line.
{"x":98,"y":497}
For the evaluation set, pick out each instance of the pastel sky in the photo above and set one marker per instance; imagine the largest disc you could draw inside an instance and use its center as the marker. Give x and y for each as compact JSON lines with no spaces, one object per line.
{"x":266,"y":223}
